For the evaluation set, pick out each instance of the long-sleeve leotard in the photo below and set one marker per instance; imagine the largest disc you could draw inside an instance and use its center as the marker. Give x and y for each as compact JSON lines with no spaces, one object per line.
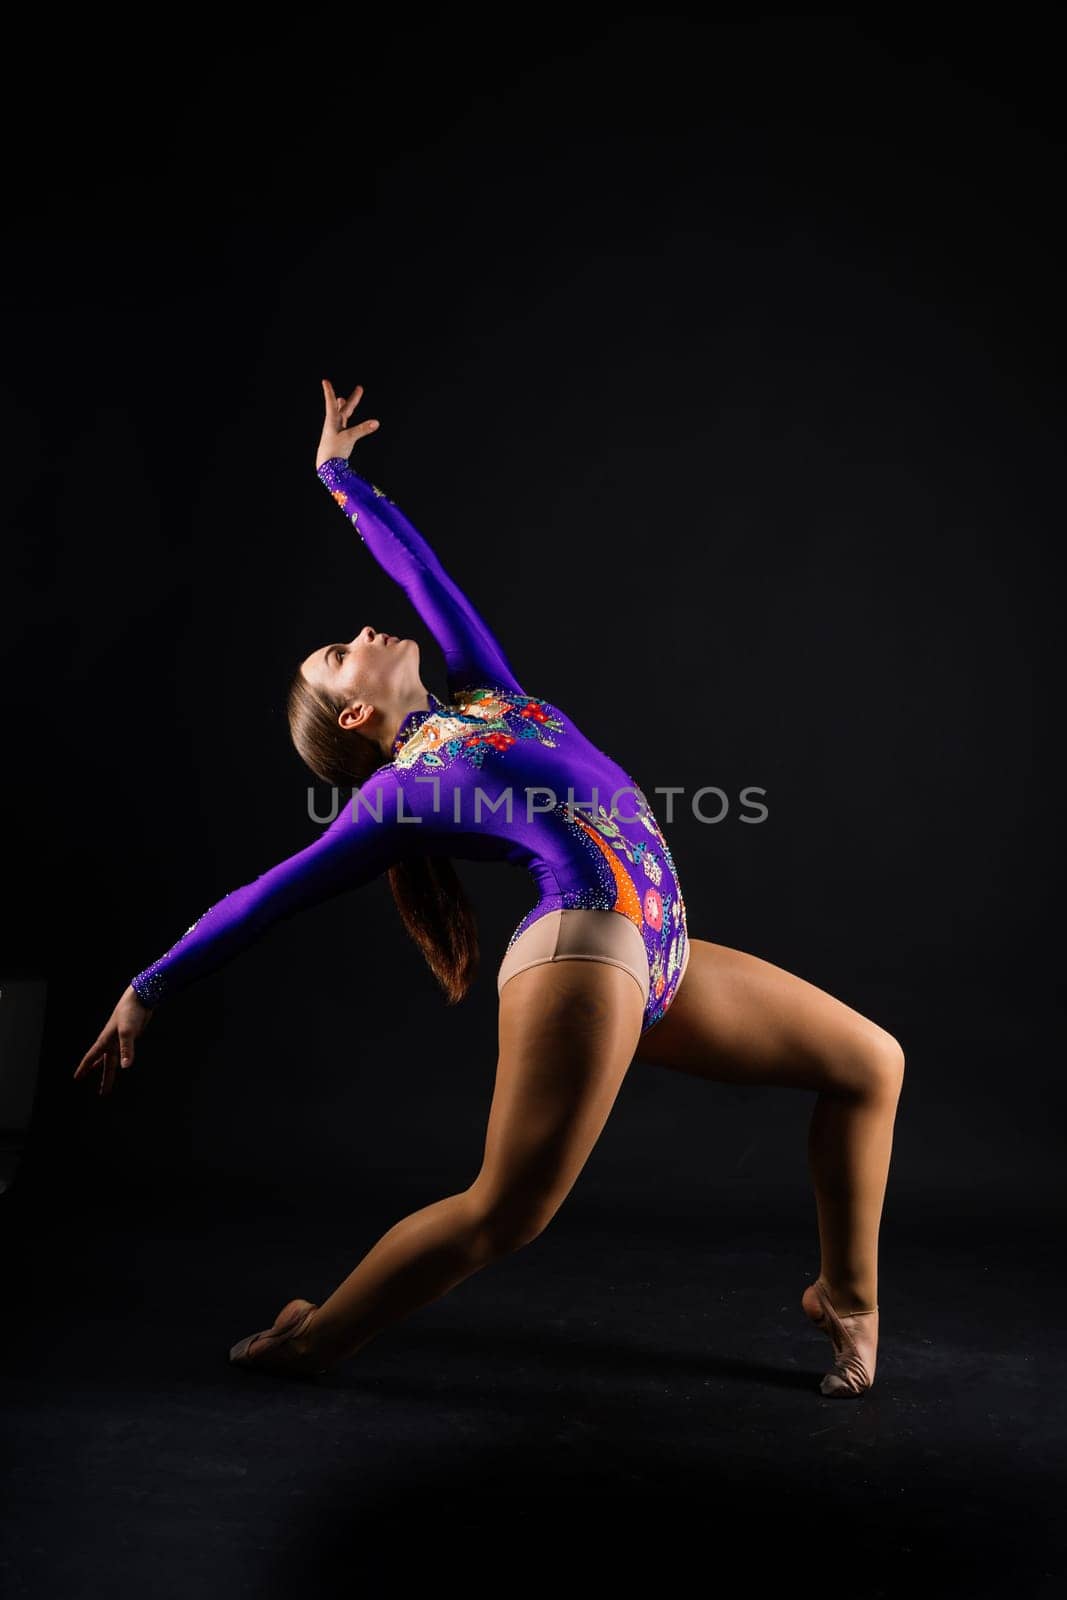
{"x":491,"y":774}
{"x":355,"y":847}
{"x":473,"y":655}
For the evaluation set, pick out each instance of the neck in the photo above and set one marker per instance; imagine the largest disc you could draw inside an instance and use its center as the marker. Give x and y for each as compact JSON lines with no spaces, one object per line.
{"x":419,"y":700}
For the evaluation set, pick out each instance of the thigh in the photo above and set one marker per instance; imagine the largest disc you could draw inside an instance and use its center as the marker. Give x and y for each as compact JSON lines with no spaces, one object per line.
{"x":738,"y":1019}
{"x":567,"y":1034}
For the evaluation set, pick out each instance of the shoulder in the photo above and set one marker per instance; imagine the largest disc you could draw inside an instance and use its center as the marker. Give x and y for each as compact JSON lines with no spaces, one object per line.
{"x":376,"y":799}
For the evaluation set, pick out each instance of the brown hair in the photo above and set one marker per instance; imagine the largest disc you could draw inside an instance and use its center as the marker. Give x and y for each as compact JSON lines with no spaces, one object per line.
{"x":432,"y":902}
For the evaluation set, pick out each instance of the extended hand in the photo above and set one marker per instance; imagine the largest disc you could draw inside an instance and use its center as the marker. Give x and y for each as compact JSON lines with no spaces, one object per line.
{"x":116,"y":1040}
{"x":337,"y":437}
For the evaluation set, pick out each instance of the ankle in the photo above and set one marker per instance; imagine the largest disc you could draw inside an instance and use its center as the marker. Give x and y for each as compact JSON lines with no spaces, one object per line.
{"x":309,"y":1342}
{"x":848,"y":1296}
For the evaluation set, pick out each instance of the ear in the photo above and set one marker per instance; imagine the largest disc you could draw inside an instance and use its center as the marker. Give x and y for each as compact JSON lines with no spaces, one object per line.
{"x":355,"y":716}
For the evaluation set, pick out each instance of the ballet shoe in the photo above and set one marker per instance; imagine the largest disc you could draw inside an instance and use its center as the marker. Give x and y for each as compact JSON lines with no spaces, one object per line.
{"x":274,"y":1349}
{"x":854,"y":1338}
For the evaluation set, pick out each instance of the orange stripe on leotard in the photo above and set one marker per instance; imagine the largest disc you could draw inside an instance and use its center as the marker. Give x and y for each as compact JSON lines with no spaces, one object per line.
{"x":628,"y":901}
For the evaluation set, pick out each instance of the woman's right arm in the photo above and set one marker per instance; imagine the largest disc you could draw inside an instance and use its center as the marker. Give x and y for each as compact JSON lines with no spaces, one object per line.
{"x":369,"y":835}
{"x":473,"y":654}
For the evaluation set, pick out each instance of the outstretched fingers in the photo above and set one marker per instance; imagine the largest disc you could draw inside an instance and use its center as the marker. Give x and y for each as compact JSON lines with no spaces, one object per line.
{"x":92,"y":1058}
{"x":349,"y":405}
{"x":89,"y":1063}
{"x":104,"y":1056}
{"x":339,"y":410}
{"x":333,"y":405}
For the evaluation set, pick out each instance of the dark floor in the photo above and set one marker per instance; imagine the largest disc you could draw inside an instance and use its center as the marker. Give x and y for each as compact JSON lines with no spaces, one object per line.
{"x":627,"y":1399}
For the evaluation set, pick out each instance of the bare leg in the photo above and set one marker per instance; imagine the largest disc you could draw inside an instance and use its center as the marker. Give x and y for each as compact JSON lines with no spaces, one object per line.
{"x":737,"y":1019}
{"x":567,"y":1035}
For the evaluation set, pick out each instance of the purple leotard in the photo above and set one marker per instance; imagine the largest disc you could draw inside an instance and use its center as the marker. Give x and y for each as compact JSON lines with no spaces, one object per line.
{"x":489,"y":774}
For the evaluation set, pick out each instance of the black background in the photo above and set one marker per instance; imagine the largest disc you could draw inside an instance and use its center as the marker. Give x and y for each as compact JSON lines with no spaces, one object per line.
{"x":722,"y":363}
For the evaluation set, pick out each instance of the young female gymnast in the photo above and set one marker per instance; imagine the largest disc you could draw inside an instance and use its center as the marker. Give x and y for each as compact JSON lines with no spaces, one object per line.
{"x":601,"y":968}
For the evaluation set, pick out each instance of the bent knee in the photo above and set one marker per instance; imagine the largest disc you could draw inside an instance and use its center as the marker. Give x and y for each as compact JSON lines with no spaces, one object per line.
{"x":504,"y":1224}
{"x":881,"y":1068}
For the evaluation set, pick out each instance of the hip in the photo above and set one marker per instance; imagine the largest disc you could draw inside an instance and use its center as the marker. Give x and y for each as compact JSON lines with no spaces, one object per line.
{"x":554,"y":932}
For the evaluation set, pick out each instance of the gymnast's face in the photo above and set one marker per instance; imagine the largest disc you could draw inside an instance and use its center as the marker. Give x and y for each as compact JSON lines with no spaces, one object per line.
{"x":372,"y":672}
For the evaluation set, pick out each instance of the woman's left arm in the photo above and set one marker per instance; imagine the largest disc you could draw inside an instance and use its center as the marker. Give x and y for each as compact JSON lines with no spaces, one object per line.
{"x":473,"y":655}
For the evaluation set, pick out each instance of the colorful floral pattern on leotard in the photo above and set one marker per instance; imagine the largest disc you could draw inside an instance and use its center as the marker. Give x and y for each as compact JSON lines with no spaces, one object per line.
{"x":481,"y":722}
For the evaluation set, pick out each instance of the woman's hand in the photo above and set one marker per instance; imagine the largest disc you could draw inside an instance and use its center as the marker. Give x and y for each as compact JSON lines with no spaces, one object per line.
{"x":126,"y":1024}
{"x":337,"y":437}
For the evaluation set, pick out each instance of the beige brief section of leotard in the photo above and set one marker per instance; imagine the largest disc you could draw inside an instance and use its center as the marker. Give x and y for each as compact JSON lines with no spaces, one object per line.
{"x":582,"y":935}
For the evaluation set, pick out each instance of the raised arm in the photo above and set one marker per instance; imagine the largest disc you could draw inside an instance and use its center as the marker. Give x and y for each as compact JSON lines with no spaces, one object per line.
{"x":472,"y":654}
{"x":356,"y":847}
